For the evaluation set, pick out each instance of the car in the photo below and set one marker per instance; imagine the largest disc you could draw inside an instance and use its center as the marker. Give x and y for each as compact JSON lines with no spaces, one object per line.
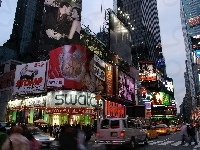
{"x":151,"y":132}
{"x":41,"y":136}
{"x":162,"y":129}
{"x":172,"y":128}
{"x":6,"y":125}
{"x":121,"y":131}
{"x":178,"y":127}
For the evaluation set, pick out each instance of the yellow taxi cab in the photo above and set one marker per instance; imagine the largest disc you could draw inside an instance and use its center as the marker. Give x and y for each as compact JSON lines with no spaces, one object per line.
{"x":172,"y":128}
{"x":151,"y":132}
{"x":162,"y":129}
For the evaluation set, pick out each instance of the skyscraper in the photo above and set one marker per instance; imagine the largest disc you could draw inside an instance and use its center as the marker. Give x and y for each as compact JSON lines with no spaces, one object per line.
{"x":190,"y":12}
{"x":26,"y":26}
{"x":143,"y":16}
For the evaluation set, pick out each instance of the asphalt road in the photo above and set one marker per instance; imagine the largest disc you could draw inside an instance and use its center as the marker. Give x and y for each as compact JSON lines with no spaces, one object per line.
{"x":165,"y":142}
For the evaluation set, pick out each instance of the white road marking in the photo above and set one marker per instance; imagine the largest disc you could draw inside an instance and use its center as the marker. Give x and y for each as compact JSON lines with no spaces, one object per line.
{"x":165,"y":143}
{"x":176,"y":143}
{"x":154,"y":142}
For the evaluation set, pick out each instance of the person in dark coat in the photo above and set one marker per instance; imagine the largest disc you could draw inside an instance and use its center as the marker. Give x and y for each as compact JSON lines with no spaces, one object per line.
{"x":68,"y":139}
{"x":192,"y":134}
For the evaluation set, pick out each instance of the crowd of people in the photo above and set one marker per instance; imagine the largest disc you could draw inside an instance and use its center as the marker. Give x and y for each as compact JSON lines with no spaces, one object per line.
{"x":188,"y":133}
{"x":69,"y":137}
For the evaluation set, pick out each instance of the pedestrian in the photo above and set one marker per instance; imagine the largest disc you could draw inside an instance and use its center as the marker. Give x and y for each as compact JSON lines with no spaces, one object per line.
{"x":3,"y":136}
{"x":192,"y":134}
{"x":51,"y":130}
{"x":34,"y":144}
{"x":184,"y":133}
{"x":16,"y":141}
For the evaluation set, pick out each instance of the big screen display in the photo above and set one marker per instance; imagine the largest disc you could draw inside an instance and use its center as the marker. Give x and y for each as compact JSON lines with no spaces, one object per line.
{"x":120,"y":38}
{"x":147,"y":71}
{"x":126,"y":86}
{"x":160,"y":98}
{"x":61,"y":24}
{"x":79,"y":67}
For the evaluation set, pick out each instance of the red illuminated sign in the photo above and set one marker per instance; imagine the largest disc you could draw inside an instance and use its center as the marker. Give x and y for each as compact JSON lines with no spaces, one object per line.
{"x":109,"y":79}
{"x":114,"y":109}
{"x":194,"y":21}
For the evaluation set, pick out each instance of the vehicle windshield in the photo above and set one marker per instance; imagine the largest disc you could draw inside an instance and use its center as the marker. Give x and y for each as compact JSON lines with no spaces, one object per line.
{"x":35,"y":131}
{"x":160,"y":126}
{"x":4,"y":124}
{"x":106,"y":124}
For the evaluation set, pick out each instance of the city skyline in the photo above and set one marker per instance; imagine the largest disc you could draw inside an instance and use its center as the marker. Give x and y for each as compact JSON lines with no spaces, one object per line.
{"x":171,"y":33}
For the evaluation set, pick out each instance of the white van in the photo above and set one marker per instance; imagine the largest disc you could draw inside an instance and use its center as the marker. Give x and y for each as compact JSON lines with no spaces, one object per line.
{"x":118,"y":131}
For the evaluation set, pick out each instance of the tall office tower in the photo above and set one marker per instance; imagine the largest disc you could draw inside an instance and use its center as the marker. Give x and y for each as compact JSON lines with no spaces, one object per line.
{"x":25,"y":28}
{"x":190,"y":14}
{"x":143,"y":16}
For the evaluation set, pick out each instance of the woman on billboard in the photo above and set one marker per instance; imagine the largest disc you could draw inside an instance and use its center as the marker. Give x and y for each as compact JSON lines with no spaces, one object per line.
{"x":156,"y":99}
{"x":74,"y":34}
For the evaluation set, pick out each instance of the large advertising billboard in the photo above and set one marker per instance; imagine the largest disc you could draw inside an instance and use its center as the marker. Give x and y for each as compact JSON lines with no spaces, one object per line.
{"x":30,"y":78}
{"x":126,"y":86}
{"x":120,"y":38}
{"x":61,"y":24}
{"x":79,"y":67}
{"x":147,"y":71}
{"x":160,"y":98}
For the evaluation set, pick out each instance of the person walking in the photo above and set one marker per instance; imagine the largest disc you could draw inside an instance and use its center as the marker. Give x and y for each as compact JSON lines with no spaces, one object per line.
{"x":192,"y":134}
{"x":16,"y":141}
{"x":184,"y":133}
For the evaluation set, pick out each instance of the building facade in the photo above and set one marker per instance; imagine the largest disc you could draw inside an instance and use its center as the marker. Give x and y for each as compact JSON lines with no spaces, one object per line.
{"x":189,"y":12}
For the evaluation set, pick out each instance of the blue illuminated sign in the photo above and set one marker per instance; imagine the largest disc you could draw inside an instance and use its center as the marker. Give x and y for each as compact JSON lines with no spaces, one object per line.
{"x":197,"y":53}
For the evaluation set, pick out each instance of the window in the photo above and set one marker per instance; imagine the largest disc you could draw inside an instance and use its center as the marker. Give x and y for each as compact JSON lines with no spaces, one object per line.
{"x":105,"y":124}
{"x":114,"y":124}
{"x":124,"y":124}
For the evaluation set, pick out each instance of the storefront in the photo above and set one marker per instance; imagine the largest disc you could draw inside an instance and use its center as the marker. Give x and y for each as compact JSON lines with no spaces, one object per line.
{"x":60,"y":107}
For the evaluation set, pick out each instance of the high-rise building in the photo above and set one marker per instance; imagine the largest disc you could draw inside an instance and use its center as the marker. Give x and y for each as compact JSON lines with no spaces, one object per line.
{"x":190,"y":12}
{"x":143,"y":16}
{"x":25,"y":28}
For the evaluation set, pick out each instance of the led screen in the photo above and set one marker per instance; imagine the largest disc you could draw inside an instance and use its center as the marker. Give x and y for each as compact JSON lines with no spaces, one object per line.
{"x":61,"y":24}
{"x":195,"y":43}
{"x":197,"y":53}
{"x":160,"y":98}
{"x":126,"y":86}
{"x":169,"y":85}
{"x":120,"y":38}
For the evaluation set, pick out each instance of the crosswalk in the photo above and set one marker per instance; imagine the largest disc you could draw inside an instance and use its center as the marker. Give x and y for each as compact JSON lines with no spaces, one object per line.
{"x":172,"y":143}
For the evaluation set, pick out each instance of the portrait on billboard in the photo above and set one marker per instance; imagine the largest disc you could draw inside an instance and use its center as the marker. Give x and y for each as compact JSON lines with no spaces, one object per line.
{"x":79,"y":68}
{"x":156,"y":98}
{"x":126,"y":86}
{"x":61,"y":23}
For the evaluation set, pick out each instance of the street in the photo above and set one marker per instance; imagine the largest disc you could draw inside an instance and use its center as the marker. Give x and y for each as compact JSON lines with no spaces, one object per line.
{"x":169,"y":142}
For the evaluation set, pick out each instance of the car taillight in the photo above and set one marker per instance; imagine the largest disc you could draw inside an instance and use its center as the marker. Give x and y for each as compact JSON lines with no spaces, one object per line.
{"x":97,"y":134}
{"x":122,"y":133}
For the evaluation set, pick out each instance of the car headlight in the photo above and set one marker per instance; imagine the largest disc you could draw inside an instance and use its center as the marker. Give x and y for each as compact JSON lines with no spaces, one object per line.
{"x":52,"y":138}
{"x":37,"y":139}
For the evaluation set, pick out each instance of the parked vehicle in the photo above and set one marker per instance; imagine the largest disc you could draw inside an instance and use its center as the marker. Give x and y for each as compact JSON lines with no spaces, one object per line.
{"x":6,"y":125}
{"x":172,"y":128}
{"x":151,"y":132}
{"x":118,"y":131}
{"x":162,"y":129}
{"x":41,"y":136}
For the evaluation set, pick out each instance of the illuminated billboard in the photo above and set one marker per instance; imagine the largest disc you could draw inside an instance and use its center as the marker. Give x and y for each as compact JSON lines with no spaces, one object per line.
{"x":120,"y":38}
{"x":61,"y":24}
{"x":30,"y":78}
{"x":126,"y":86}
{"x":160,"y":99}
{"x":197,"y":53}
{"x":78,"y":67}
{"x":194,"y":21}
{"x":195,"y":43}
{"x":147,"y":72}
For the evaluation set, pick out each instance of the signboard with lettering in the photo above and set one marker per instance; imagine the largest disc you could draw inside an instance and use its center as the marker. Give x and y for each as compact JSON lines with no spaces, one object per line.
{"x":57,"y":82}
{"x":30,"y":78}
{"x":109,"y":79}
{"x":68,"y":98}
{"x":114,"y":109}
{"x":79,"y":67}
{"x":70,"y":111}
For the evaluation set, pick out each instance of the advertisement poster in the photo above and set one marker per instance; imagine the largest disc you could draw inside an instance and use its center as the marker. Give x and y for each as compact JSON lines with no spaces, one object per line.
{"x":147,"y":71}
{"x":61,"y":24}
{"x":80,"y":68}
{"x":30,"y":78}
{"x":160,"y":98}
{"x":126,"y":86}
{"x":109,"y":79}
{"x":114,"y":109}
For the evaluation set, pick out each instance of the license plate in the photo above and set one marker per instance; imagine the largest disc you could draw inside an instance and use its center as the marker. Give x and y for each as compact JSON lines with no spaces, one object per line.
{"x":113,"y":133}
